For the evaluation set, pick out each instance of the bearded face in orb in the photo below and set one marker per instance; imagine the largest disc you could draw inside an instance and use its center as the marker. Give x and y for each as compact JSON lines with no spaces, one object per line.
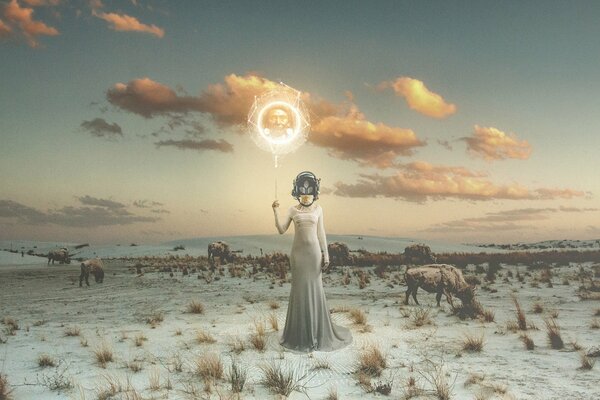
{"x":277,"y":123}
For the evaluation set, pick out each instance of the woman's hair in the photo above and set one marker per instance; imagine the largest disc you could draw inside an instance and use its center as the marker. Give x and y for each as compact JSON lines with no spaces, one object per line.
{"x":306,"y":183}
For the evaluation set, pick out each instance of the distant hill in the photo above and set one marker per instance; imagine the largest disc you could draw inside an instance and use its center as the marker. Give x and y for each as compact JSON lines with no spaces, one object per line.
{"x":245,"y":245}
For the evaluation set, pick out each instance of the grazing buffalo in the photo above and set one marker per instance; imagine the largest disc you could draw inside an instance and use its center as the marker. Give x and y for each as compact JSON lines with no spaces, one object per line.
{"x":61,"y":255}
{"x":93,"y":266}
{"x":440,"y":279}
{"x":220,"y":249}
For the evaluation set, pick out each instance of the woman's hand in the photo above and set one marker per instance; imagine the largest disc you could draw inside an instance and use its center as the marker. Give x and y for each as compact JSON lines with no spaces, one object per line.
{"x":275,"y":204}
{"x":325,"y":266}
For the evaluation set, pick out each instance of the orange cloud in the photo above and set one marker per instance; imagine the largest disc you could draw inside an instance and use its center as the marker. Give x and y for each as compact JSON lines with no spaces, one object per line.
{"x":127,"y":23}
{"x":493,"y":144}
{"x":343,"y":130}
{"x":420,"y":98}
{"x":149,"y":98}
{"x":22,"y":17}
{"x":4,"y":30}
{"x":229,"y":103}
{"x":420,"y":181}
{"x":353,"y":137}
{"x":39,"y":3}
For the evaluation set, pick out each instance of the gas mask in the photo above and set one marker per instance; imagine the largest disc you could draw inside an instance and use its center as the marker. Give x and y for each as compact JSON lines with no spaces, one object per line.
{"x":306,"y":188}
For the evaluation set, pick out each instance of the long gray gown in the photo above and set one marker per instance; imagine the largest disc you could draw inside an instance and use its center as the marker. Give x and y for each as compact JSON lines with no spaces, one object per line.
{"x":308,"y":325}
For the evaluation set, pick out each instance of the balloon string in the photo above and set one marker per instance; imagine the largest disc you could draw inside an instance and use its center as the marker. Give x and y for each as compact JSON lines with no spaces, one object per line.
{"x":275,"y":177}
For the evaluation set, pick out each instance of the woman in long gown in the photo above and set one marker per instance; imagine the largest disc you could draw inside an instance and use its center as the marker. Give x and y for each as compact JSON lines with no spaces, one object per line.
{"x":308,"y":325}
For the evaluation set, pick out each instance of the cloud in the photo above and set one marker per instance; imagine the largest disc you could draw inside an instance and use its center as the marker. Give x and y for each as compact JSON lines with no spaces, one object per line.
{"x":352,"y":137}
{"x":146,"y":204}
{"x":94,"y":201}
{"x":41,"y":3}
{"x":5,"y":30}
{"x":127,"y":23}
{"x":206,"y":144}
{"x":148,"y":98}
{"x":493,"y":144}
{"x":502,"y":220}
{"x":22,"y":18}
{"x":100,"y":128}
{"x":549,"y":193}
{"x":160,"y":211}
{"x":420,"y":98}
{"x":420,"y":181}
{"x":104,"y":213}
{"x":342,"y":129}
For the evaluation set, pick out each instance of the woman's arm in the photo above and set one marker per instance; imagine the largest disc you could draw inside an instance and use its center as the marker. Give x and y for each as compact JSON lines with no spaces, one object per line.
{"x":286,"y":224}
{"x":322,"y":237}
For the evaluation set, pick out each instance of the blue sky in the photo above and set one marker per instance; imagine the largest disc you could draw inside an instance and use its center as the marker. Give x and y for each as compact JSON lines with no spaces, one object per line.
{"x":529,"y":70}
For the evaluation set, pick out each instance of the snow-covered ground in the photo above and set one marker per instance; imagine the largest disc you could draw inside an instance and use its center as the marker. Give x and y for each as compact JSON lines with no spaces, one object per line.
{"x":46,"y":302}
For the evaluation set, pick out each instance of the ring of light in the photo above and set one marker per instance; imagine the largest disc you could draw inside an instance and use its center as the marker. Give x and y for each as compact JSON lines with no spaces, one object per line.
{"x":269,"y":138}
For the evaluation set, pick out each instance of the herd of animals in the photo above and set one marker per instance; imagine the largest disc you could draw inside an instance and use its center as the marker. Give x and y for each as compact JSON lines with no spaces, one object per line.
{"x":441,"y":279}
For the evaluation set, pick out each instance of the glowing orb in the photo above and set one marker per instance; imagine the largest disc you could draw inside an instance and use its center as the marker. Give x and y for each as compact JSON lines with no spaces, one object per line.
{"x":278,"y":121}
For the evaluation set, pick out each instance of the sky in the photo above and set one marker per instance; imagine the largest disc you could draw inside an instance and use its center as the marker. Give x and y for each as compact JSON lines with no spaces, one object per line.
{"x":126,"y":121}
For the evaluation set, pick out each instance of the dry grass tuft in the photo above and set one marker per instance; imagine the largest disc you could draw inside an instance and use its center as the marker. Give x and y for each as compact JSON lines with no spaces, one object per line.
{"x":195,"y":307}
{"x":332,"y":394}
{"x":155,"y":318}
{"x":72,"y":331}
{"x":421,"y":316}
{"x":488,"y":315}
{"x":12,"y":326}
{"x":553,"y":331}
{"x":135,"y":366}
{"x":273,"y":305}
{"x":527,"y":341}
{"x":257,"y":339}
{"x":521,"y":319}
{"x":5,"y":390}
{"x":209,"y":366}
{"x":597,"y":312}
{"x":279,"y":381}
{"x":103,"y":354}
{"x":538,"y":308}
{"x":595,"y":324}
{"x":587,"y":363}
{"x":44,"y":360}
{"x":204,"y":337}
{"x":358,"y":316}
{"x":274,"y":322}
{"x":371,"y":361}
{"x":139,"y":339}
{"x":473,"y":343}
{"x":411,"y":389}
{"x":237,"y":345}
{"x":154,"y":380}
{"x":237,"y":377}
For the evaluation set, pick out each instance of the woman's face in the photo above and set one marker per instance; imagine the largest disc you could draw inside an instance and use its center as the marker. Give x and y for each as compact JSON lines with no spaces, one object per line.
{"x":306,"y":199}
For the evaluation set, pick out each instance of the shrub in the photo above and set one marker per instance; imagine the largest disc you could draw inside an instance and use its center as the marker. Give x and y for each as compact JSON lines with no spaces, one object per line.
{"x":527,"y":341}
{"x":72,"y":331}
{"x":103,"y":354}
{"x":473,"y":343}
{"x":553,"y":331}
{"x":195,"y":307}
{"x":5,"y":390}
{"x":204,"y":337}
{"x":209,"y":366}
{"x":237,"y":377}
{"x":279,"y":381}
{"x":44,"y":360}
{"x":371,"y":361}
